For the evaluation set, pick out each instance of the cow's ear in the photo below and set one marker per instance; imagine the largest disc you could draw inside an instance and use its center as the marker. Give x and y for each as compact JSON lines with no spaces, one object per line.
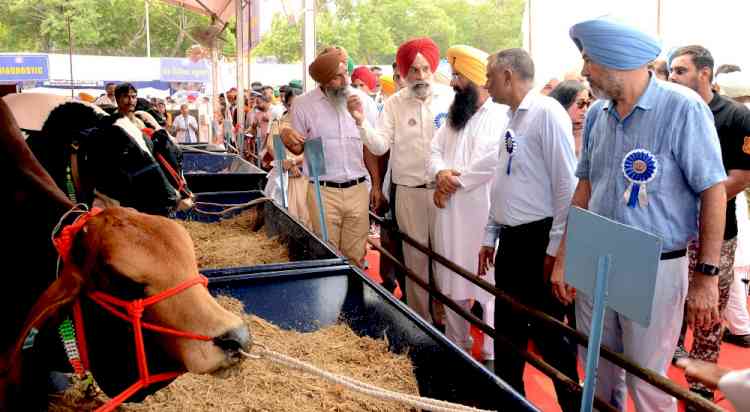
{"x":58,"y":296}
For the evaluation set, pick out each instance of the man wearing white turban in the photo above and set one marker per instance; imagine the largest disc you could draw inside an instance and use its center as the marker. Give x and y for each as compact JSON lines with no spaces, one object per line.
{"x":643,"y":132}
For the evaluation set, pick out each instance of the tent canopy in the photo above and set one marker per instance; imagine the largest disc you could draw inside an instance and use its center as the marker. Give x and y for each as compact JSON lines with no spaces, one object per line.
{"x":224,"y":9}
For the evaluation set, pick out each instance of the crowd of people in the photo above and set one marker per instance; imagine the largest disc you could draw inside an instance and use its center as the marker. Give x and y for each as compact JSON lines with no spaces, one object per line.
{"x":484,"y":171}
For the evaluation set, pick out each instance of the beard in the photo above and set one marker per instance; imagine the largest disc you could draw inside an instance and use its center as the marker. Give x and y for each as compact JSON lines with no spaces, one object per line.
{"x":463,"y":107}
{"x":420,"y":89}
{"x":337,"y":96}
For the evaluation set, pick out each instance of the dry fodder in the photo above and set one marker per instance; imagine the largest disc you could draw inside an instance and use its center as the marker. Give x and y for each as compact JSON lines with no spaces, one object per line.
{"x":235,"y":242}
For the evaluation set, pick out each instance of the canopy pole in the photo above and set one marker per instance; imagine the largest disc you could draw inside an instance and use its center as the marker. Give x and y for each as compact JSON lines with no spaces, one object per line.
{"x":308,"y":43}
{"x":240,"y":136}
{"x":70,"y":54}
{"x":148,"y":32}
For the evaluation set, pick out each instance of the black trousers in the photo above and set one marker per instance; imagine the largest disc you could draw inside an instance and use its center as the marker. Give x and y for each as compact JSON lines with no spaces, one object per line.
{"x":519,"y":271}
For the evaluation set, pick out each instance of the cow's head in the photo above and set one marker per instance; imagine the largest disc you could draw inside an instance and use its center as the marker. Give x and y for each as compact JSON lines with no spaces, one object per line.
{"x":131,"y":255}
{"x":116,"y":162}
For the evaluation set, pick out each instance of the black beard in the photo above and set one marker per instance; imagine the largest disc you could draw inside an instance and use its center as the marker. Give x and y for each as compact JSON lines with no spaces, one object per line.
{"x":463,"y":107}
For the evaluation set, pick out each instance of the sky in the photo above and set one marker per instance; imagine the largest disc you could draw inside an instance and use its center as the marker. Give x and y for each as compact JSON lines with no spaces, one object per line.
{"x":722,"y":26}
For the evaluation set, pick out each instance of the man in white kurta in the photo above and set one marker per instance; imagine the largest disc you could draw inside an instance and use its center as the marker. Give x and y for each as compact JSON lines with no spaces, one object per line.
{"x":463,"y":160}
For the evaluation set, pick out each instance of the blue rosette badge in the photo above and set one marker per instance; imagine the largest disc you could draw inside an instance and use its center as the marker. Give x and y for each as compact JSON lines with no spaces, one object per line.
{"x":510,"y":147}
{"x":440,"y":119}
{"x":639,"y":167}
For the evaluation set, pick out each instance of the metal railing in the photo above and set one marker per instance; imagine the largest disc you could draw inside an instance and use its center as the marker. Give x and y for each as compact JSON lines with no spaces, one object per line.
{"x":647,"y":375}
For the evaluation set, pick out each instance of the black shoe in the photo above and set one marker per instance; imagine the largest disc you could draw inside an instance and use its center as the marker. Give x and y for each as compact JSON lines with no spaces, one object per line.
{"x":679,"y":353}
{"x":489,"y":364}
{"x":739,"y":340}
{"x":705,"y":393}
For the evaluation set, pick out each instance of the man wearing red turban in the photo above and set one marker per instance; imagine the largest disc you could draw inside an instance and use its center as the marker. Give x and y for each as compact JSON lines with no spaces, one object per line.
{"x":406,"y":127}
{"x":364,"y":79}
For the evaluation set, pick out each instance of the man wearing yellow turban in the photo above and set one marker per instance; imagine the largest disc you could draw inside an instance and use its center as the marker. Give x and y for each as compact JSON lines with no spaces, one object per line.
{"x":463,"y":161}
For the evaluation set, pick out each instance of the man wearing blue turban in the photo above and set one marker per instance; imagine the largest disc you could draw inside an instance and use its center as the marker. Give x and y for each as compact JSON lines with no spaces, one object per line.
{"x":650,"y":159}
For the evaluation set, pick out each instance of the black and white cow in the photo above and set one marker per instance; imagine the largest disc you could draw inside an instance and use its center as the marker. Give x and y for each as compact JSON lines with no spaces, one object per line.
{"x":106,"y":160}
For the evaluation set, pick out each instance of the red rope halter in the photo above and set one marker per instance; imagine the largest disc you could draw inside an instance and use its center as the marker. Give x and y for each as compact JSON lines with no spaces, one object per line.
{"x":129,"y":311}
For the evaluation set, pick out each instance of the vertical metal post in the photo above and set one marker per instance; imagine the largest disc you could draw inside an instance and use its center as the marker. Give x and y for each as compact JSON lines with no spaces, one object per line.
{"x":240,"y":136}
{"x":308,"y":44}
{"x":597,"y":325}
{"x":148,"y":32}
{"x":70,"y":54}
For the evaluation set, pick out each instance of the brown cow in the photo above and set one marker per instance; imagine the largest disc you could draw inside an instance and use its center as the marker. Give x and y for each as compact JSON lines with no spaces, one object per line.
{"x":119,"y":251}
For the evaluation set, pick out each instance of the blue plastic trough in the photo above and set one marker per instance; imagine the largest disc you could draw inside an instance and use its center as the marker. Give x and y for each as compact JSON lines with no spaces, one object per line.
{"x":220,"y":172}
{"x":307,"y":299}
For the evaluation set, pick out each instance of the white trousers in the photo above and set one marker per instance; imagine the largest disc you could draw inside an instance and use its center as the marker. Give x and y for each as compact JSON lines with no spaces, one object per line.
{"x":738,"y":320}
{"x":415,"y":214}
{"x":457,"y":329}
{"x":650,"y":347}
{"x":488,"y":348}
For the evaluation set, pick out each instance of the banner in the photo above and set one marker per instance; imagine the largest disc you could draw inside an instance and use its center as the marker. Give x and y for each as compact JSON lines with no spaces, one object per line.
{"x":18,"y":68}
{"x":184,"y":70}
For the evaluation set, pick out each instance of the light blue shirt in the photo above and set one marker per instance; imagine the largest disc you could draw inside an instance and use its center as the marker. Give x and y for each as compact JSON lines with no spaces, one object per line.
{"x":542,"y":178}
{"x":674,"y":124}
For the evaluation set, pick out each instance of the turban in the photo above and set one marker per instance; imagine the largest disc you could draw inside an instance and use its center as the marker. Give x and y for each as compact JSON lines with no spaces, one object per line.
{"x":368,"y":77}
{"x":733,"y":85}
{"x":326,"y":66}
{"x":614,"y":45}
{"x":86,"y":97}
{"x":470,"y":62}
{"x":387,"y":85}
{"x":409,"y":50}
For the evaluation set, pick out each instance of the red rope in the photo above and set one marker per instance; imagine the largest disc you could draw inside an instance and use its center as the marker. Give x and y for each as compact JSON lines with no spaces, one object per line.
{"x":133,"y":314}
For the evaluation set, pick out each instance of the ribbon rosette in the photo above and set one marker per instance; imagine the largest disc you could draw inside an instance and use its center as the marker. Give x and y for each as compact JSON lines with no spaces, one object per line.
{"x":510,"y":147}
{"x":440,"y":119}
{"x":639,"y":167}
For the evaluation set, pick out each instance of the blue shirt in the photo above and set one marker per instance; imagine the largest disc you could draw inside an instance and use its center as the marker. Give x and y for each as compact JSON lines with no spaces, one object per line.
{"x":677,"y":127}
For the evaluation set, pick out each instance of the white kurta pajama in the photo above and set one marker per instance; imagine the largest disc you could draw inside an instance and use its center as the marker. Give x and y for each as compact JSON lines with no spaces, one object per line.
{"x":459,"y":226}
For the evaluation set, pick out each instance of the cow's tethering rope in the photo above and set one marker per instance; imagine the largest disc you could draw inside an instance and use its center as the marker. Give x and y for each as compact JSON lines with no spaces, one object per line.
{"x":357,"y":386}
{"x":229,"y":207}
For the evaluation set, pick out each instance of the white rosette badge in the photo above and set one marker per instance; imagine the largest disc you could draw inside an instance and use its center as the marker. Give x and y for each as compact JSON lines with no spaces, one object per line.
{"x":639,"y":167}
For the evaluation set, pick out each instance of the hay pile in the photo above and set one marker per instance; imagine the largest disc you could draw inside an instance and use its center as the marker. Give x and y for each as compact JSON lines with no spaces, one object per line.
{"x":259,"y":385}
{"x":235,"y":242}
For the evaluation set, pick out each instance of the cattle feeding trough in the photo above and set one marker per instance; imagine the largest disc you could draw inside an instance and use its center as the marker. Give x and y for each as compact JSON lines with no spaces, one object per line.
{"x":220,"y":172}
{"x":317,"y":288}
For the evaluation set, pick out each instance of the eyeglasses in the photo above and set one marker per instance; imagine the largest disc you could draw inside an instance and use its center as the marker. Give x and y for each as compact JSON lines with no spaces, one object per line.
{"x":582,"y":104}
{"x":355,"y":85}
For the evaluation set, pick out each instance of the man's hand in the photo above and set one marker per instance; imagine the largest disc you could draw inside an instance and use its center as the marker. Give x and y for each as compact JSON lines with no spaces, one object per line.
{"x":287,"y":164}
{"x":549,"y":264}
{"x":486,"y":259}
{"x":447,"y":181}
{"x":440,"y":199}
{"x":562,"y":291}
{"x":354,"y":105}
{"x":295,"y":172}
{"x":703,"y":301}
{"x":706,"y":373}
{"x":378,"y":202}
{"x":293,"y":141}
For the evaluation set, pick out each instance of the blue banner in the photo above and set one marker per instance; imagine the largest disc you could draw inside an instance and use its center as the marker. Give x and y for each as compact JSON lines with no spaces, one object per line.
{"x":18,"y":68}
{"x":184,"y":70}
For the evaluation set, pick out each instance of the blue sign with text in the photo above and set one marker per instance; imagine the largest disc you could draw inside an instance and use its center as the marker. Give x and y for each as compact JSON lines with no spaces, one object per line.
{"x":184,"y":70}
{"x":19,"y":68}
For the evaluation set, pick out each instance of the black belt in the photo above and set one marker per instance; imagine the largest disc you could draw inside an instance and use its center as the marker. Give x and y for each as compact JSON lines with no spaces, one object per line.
{"x":674,"y":254}
{"x":424,"y":186}
{"x":343,"y":185}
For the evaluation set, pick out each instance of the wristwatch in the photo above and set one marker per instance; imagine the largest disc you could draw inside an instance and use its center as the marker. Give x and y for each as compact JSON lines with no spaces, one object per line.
{"x":706,"y":269}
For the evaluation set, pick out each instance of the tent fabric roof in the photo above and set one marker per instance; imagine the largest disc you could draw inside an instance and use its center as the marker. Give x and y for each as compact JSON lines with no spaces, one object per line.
{"x":224,"y":9}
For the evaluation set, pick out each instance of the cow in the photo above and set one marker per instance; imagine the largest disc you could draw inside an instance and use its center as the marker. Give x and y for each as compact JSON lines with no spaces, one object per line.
{"x":107,"y":160}
{"x":119,"y":251}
